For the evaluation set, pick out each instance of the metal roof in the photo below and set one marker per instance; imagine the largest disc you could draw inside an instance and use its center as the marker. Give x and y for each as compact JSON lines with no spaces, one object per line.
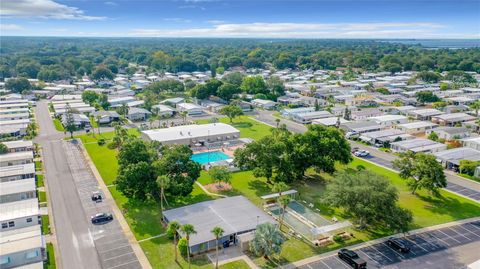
{"x":232,"y":214}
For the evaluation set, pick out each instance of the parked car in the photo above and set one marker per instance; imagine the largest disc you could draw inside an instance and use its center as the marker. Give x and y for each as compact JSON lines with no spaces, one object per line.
{"x":101,"y":218}
{"x":361,"y":153}
{"x":398,"y":245}
{"x":352,"y":258}
{"x":97,"y":197}
{"x":355,"y":149}
{"x":350,"y":135}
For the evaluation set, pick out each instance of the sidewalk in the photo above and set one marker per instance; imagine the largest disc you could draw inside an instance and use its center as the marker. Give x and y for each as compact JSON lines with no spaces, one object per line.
{"x":376,"y":241}
{"x":117,"y":212}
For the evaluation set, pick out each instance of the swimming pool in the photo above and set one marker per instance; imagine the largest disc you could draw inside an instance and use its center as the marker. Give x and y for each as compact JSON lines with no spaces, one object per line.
{"x":208,"y":157}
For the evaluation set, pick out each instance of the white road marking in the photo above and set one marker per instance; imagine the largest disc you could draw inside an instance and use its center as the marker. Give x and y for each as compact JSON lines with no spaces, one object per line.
{"x":451,"y":237}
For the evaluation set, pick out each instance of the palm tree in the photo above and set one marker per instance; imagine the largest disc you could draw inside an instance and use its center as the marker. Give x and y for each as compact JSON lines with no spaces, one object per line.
{"x":267,"y":240}
{"x":173,"y":227}
{"x":277,"y":121}
{"x":217,"y":232}
{"x":92,"y":119}
{"x":283,"y":201}
{"x":184,"y":114}
{"x":188,"y":230}
{"x":162,"y":182}
{"x":98,"y":123}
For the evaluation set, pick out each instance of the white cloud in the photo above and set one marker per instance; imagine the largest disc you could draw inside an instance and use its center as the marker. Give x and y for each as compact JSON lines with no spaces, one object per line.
{"x":43,"y":9}
{"x":10,"y":27}
{"x":177,"y":20}
{"x":216,"y":21}
{"x":110,"y":3}
{"x":301,"y":30}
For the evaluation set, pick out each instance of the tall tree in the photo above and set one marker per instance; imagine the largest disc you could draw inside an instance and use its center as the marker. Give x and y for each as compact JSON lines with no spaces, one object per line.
{"x":220,"y":174}
{"x":188,"y":230}
{"x":218,"y":233}
{"x":18,"y":85}
{"x":267,"y":240}
{"x":476,"y":106}
{"x":69,"y":120}
{"x":369,"y":198}
{"x":231,"y":111}
{"x":422,"y":171}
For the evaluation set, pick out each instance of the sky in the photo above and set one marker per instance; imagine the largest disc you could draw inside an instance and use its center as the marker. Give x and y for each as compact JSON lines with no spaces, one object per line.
{"x":418,"y":19}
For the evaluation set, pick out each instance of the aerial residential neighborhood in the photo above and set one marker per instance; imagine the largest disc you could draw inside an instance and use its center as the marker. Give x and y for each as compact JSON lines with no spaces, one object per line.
{"x":239,"y":134}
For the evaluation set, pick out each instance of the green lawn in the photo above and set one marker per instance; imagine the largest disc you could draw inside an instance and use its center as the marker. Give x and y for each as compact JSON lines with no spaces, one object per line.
{"x":58,"y":125}
{"x":38,"y":165}
{"x":42,"y":197}
{"x":50,"y":263}
{"x":240,"y":264}
{"x":45,"y":224}
{"x":247,"y":127}
{"x":427,"y":211}
{"x":470,"y":177}
{"x":40,"y":182}
{"x":160,"y":253}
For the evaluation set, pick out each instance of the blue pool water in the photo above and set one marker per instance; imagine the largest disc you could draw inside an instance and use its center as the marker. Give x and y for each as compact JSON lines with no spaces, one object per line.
{"x":212,"y":156}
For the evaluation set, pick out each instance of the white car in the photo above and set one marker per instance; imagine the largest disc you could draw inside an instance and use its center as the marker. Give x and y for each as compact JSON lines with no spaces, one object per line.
{"x":361,"y":153}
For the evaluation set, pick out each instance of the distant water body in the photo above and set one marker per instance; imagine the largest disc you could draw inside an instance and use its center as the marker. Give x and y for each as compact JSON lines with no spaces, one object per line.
{"x":440,"y":43}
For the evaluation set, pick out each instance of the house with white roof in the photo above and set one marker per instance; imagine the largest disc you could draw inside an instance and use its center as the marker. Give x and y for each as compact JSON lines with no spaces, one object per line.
{"x":190,"y":108}
{"x":389,"y":120}
{"x":417,"y":127}
{"x":23,"y":248}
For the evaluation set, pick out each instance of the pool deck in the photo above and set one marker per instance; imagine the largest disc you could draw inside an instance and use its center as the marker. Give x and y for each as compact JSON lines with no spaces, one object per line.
{"x":227,"y":150}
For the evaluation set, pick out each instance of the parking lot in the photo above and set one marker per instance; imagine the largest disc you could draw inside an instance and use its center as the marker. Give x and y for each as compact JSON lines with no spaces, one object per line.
{"x":112,"y":246}
{"x":433,"y":249}
{"x":475,"y":195}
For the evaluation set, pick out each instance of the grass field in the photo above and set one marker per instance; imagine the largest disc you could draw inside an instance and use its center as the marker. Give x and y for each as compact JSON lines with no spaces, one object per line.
{"x":58,"y":125}
{"x":38,"y":165}
{"x":427,"y":210}
{"x":50,"y":263}
{"x":247,"y":127}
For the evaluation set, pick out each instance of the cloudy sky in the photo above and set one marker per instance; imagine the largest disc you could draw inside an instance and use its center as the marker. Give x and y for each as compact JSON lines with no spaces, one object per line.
{"x":243,"y":18}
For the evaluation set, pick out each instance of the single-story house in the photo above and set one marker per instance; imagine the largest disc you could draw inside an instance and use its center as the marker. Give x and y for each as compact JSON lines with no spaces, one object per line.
{"x":265,"y":104}
{"x":331,"y":121}
{"x":364,"y":114}
{"x":105,"y":117}
{"x":17,"y":172}
{"x":138,"y":114}
{"x":79,"y":120}
{"x":16,"y":116}
{"x":19,"y":214}
{"x":402,"y":110}
{"x":190,"y":108}
{"x":193,"y":134}
{"x":235,"y":215}
{"x":173,"y":101}
{"x":382,"y":136}
{"x":418,"y":145}
{"x":289,"y":112}
{"x":163,"y":110}
{"x":212,"y":106}
{"x":17,"y":190}
{"x":424,"y":114}
{"x":18,"y":145}
{"x":23,"y":248}
{"x":119,"y":101}
{"x":16,"y":158}
{"x":361,"y":126}
{"x":451,"y":158}
{"x":418,"y":127}
{"x":307,"y":117}
{"x":473,"y":143}
{"x":389,"y":120}
{"x":452,"y":119}
{"x":450,"y":133}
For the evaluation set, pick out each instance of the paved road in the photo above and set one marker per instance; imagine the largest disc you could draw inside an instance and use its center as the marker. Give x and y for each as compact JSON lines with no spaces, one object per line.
{"x":451,"y":247}
{"x":70,"y":183}
{"x":75,"y":243}
{"x":455,"y":183}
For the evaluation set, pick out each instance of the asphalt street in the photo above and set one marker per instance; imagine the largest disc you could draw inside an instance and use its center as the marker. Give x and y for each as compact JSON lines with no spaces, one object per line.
{"x":452,"y":247}
{"x":75,"y":243}
{"x":456,"y":184}
{"x":70,"y":183}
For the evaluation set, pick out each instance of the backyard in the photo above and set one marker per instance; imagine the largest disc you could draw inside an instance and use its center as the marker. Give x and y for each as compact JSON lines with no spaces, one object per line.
{"x":246,"y":125}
